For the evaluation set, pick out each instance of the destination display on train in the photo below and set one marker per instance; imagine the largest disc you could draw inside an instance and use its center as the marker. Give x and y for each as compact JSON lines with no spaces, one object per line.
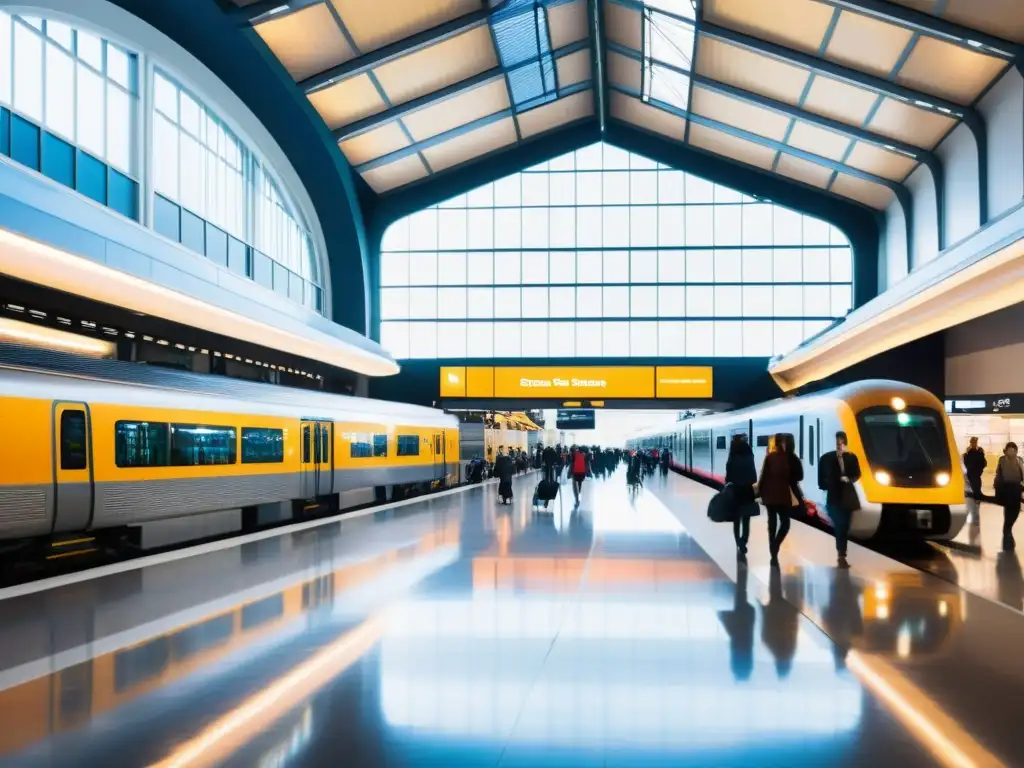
{"x":559,"y":382}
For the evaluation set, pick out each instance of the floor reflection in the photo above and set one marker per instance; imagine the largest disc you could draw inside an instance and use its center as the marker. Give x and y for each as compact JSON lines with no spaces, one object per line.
{"x":608,"y":636}
{"x":598,"y":635}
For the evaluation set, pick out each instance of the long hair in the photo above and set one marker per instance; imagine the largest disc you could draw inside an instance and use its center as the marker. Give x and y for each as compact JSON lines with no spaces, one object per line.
{"x":780,"y":442}
{"x":739,"y":447}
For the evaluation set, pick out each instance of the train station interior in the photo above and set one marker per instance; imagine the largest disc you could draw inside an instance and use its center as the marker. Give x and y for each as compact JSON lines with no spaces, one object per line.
{"x":511,"y":383}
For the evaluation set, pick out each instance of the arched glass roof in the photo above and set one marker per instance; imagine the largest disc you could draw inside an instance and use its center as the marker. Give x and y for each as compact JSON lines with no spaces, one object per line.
{"x":847,"y":97}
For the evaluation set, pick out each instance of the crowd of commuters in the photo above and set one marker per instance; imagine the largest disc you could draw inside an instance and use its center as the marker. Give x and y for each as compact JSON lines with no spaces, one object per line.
{"x":777,"y":485}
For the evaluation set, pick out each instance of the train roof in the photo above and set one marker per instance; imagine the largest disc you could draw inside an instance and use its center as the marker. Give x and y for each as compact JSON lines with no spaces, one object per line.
{"x":799,"y":403}
{"x":25,"y":371}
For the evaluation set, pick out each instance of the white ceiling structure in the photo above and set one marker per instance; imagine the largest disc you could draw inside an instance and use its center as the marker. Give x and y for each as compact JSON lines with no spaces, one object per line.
{"x":847,"y":97}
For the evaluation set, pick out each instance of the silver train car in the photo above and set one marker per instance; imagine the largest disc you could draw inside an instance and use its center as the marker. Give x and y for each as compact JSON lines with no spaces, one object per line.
{"x":912,"y":482}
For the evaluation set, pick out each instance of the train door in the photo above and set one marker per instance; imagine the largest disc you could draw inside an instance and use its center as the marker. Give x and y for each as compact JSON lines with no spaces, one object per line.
{"x":440,"y":454}
{"x":72,"y":468}
{"x":317,"y":458}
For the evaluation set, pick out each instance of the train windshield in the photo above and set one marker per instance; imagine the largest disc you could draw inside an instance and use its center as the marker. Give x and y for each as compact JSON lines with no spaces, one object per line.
{"x":905,"y":443}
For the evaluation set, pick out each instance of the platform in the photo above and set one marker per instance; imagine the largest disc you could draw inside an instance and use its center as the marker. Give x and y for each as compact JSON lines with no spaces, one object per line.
{"x":455,"y":631}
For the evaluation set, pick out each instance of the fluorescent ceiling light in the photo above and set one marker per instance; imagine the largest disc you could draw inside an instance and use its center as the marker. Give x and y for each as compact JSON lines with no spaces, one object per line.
{"x":42,"y":264}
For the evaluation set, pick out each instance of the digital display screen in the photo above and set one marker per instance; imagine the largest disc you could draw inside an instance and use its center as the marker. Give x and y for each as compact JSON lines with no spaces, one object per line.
{"x":575,"y":418}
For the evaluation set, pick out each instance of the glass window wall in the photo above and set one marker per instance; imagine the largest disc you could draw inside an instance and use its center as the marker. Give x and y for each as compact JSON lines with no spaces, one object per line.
{"x":600,"y":253}
{"x":202,"y":165}
{"x":77,"y":85}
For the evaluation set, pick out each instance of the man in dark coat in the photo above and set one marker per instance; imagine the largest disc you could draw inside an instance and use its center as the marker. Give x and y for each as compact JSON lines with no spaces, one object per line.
{"x":838,"y":470}
{"x":503,"y":469}
{"x":975,"y":463}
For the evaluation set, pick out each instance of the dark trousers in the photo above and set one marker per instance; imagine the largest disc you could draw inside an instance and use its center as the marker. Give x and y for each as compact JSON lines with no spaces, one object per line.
{"x":841,"y":519}
{"x":741,"y":532}
{"x":1011,"y":511}
{"x":778,"y":527}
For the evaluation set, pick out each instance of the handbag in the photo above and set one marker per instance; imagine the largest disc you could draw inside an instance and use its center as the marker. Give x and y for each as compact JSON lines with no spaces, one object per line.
{"x":848,"y":499}
{"x":722,"y":507}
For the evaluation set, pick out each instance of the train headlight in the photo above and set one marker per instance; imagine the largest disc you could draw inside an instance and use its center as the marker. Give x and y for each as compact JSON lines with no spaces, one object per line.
{"x":882,"y":478}
{"x":898,"y":404}
{"x":942,"y":479}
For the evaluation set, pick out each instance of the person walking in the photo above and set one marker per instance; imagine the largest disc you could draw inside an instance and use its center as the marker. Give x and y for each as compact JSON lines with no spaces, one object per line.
{"x":503,"y":469}
{"x":974,"y":464}
{"x":1009,"y":482}
{"x":838,"y":470}
{"x":741,"y":474}
{"x":580,"y":469}
{"x":777,"y":495}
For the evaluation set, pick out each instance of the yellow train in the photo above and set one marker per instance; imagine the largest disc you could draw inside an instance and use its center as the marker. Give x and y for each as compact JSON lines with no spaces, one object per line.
{"x":912,"y":481}
{"x":93,"y":445}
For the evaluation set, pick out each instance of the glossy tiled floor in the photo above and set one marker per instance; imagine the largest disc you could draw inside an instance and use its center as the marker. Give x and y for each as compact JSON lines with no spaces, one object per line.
{"x":976,"y":561}
{"x":461,"y":632}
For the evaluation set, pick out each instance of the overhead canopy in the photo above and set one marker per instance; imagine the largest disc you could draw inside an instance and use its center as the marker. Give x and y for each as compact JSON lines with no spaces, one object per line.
{"x":844,"y":96}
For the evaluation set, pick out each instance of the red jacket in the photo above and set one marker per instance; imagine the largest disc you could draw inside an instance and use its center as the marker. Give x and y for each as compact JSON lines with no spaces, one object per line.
{"x":579,"y":463}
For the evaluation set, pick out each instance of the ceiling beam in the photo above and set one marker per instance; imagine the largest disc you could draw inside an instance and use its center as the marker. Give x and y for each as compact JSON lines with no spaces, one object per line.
{"x":398,"y":49}
{"x":463,"y":86}
{"x":778,"y":146}
{"x":789,"y":110}
{"x":835,"y":71}
{"x":932,"y":26}
{"x":254,"y":12}
{"x":455,"y":132}
{"x":598,"y":60}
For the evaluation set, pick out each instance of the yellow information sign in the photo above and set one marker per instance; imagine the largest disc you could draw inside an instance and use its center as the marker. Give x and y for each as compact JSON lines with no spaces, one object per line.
{"x":453,"y":381}
{"x":684,"y":381}
{"x":574,"y":381}
{"x":594,"y":383}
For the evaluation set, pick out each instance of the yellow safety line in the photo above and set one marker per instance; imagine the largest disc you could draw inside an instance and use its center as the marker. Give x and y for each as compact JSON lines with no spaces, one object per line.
{"x":69,"y":542}
{"x":70,"y":554}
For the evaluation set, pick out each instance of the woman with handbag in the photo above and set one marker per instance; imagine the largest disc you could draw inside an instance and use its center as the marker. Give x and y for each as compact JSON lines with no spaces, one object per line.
{"x":741,"y":474}
{"x":775,"y":487}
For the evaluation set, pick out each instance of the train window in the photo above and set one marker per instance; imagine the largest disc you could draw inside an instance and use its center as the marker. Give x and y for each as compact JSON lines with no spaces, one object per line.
{"x":200,"y":445}
{"x":359,"y":446}
{"x":262,"y":611}
{"x":306,"y":444}
{"x":325,"y":443}
{"x":140,"y":444}
{"x":198,"y":637}
{"x":810,"y":445}
{"x":408,"y":445}
{"x":73,"y":440}
{"x":141,"y":663}
{"x":763,"y":441}
{"x":262,"y":446}
{"x":720,"y":443}
{"x":380,"y":445}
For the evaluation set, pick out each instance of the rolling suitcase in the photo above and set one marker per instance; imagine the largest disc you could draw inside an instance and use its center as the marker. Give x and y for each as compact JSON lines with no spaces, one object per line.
{"x":546,"y":491}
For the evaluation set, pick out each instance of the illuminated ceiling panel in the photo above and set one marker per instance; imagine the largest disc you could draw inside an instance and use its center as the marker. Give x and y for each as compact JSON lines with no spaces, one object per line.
{"x":431,"y":69}
{"x":799,"y":24}
{"x":307,"y":42}
{"x":373,"y":25}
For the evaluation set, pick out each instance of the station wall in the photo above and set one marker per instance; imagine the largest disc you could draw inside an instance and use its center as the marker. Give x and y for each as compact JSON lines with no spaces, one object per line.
{"x":973,"y":192}
{"x":1003,"y":109}
{"x":982,"y":356}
